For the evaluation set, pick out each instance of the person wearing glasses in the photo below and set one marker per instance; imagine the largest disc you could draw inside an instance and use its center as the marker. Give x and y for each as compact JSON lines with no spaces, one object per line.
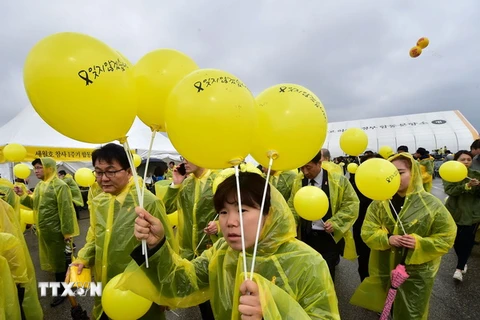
{"x":110,"y":237}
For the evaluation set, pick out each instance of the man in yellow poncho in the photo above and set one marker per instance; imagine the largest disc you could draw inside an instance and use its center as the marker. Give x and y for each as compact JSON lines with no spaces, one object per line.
{"x":284,"y":287}
{"x":74,"y":188}
{"x":110,"y":236}
{"x":429,"y":234}
{"x":328,"y":164}
{"x":332,"y":235}
{"x":9,"y":196}
{"x":54,"y":217}
{"x":26,"y":281}
{"x":426,"y":167}
{"x":282,"y":180}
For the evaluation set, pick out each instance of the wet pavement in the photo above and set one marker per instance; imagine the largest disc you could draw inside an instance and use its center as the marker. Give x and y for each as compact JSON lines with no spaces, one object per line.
{"x":450,"y":299}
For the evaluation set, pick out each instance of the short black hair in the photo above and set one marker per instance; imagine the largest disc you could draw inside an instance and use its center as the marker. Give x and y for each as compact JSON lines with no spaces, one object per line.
{"x":402,"y":149}
{"x":251,"y":191}
{"x":317,"y":158}
{"x":171,"y":162}
{"x":459,"y":153}
{"x":160,"y":169}
{"x":109,"y":153}
{"x":475,"y":145}
{"x":62,"y":173}
{"x":37,"y":161}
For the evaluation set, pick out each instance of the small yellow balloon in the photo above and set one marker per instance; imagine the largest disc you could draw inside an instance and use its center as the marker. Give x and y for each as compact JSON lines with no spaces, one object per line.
{"x":415,"y":52}
{"x":173,"y":218}
{"x":377,"y":179}
{"x":84,"y":177}
{"x":123,"y":305}
{"x":385,"y":152}
{"x":352,"y":168}
{"x":354,"y":141}
{"x":311,"y":203}
{"x":156,"y":74}
{"x":423,"y":42}
{"x":137,"y":160}
{"x":14,"y":152}
{"x":209,"y":119}
{"x":26,"y":216}
{"x":21,"y":171}
{"x":453,"y":171}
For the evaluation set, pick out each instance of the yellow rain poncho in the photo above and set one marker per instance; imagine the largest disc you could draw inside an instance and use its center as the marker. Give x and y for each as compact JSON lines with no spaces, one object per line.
{"x":344,"y":204}
{"x":93,"y":191}
{"x":283,"y":181}
{"x":110,"y":238}
{"x":15,"y":250}
{"x":8,"y":195}
{"x":9,"y":307}
{"x":54,"y":217}
{"x":193,"y":201}
{"x":427,"y":168}
{"x":424,"y":217}
{"x":463,"y":202}
{"x":289,"y":288}
{"x":75,"y":189}
{"x":332,"y":167}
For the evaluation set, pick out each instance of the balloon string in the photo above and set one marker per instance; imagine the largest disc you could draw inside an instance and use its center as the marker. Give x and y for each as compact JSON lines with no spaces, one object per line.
{"x":259,"y":226}
{"x":152,"y":139}
{"x":398,"y":218}
{"x":198,"y":246}
{"x":139,"y":192}
{"x":239,"y":200}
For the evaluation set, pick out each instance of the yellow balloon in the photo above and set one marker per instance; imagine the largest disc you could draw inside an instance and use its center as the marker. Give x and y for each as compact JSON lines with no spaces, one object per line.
{"x":453,"y":171}
{"x":156,"y":74}
{"x":385,"y":152}
{"x":352,"y":168}
{"x":354,"y":141}
{"x":173,"y":218}
{"x":21,"y":171}
{"x":415,"y":52}
{"x":137,"y":160}
{"x":80,"y":87}
{"x":209,"y":118}
{"x":14,"y":152}
{"x":84,"y":177}
{"x":123,"y":305}
{"x":292,"y":124}
{"x":377,"y":179}
{"x":423,"y":42}
{"x":26,"y":216}
{"x":311,"y":203}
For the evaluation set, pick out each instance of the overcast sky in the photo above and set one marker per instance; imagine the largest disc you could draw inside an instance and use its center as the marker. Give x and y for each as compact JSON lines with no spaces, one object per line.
{"x":352,"y":54}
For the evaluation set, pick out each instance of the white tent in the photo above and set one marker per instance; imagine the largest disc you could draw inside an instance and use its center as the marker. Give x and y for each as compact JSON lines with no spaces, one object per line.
{"x":431,"y":131}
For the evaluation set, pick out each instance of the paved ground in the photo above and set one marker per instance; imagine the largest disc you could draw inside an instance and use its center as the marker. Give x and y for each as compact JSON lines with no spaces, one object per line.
{"x":450,"y":300}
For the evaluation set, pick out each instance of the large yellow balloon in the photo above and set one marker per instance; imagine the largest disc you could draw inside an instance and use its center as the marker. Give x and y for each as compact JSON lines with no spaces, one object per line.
{"x":209,"y":118}
{"x":385,"y":152}
{"x":352,"y":167}
{"x":21,"y":171}
{"x":80,"y":87}
{"x":311,"y":203}
{"x":137,"y":160}
{"x":156,"y":74}
{"x":84,"y":177}
{"x":123,"y":305}
{"x":14,"y":152}
{"x":292,"y":123}
{"x":354,"y":141}
{"x":453,"y":171}
{"x":377,"y":179}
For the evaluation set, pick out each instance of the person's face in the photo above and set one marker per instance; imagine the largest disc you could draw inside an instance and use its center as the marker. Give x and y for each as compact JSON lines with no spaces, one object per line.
{"x":311,"y":170}
{"x":475,"y":152}
{"x":405,"y":175}
{"x":171,"y":165}
{"x":189,"y":167}
{"x":38,"y":170}
{"x":111,"y":177}
{"x":61,"y":176}
{"x":229,"y":219}
{"x":465,"y":159}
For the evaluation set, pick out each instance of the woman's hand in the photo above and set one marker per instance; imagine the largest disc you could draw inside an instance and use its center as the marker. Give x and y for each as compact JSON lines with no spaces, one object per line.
{"x":408,"y":241}
{"x":473,"y":183}
{"x":395,"y":241}
{"x":211,"y":228}
{"x":148,"y":228}
{"x":250,"y":307}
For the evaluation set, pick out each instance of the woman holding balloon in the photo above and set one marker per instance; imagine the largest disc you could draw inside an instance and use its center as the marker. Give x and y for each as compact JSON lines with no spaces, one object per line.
{"x":464,"y":205}
{"x":414,"y":223}
{"x":281,"y":285}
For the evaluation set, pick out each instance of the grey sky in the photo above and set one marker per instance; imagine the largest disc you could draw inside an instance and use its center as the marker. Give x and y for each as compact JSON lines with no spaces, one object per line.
{"x":352,"y":54}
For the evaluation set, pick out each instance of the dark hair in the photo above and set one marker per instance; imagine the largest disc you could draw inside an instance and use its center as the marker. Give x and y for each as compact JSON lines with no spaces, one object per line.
{"x":459,"y":153}
{"x":62,"y":173}
{"x":317,"y":158}
{"x":251,"y":191}
{"x":19,"y":180}
{"x":171,"y":162}
{"x":326,"y":153}
{"x":109,"y":153}
{"x":402,"y":149}
{"x":37,"y":161}
{"x":406,"y":160}
{"x":160,"y":169}
{"x":365,"y":157}
{"x":475,"y":145}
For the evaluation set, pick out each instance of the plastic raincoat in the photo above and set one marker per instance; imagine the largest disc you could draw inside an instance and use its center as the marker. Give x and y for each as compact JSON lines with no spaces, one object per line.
{"x":193,"y":200}
{"x":427,"y":167}
{"x":9,"y":307}
{"x":463,"y":202}
{"x":54,"y":217}
{"x":332,"y":167}
{"x":75,"y":189}
{"x":283,"y":181}
{"x":289,"y":289}
{"x":8,"y":195}
{"x":110,"y":237}
{"x":344,"y":204}
{"x":424,"y":217}
{"x":93,"y":191}
{"x":13,"y":242}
